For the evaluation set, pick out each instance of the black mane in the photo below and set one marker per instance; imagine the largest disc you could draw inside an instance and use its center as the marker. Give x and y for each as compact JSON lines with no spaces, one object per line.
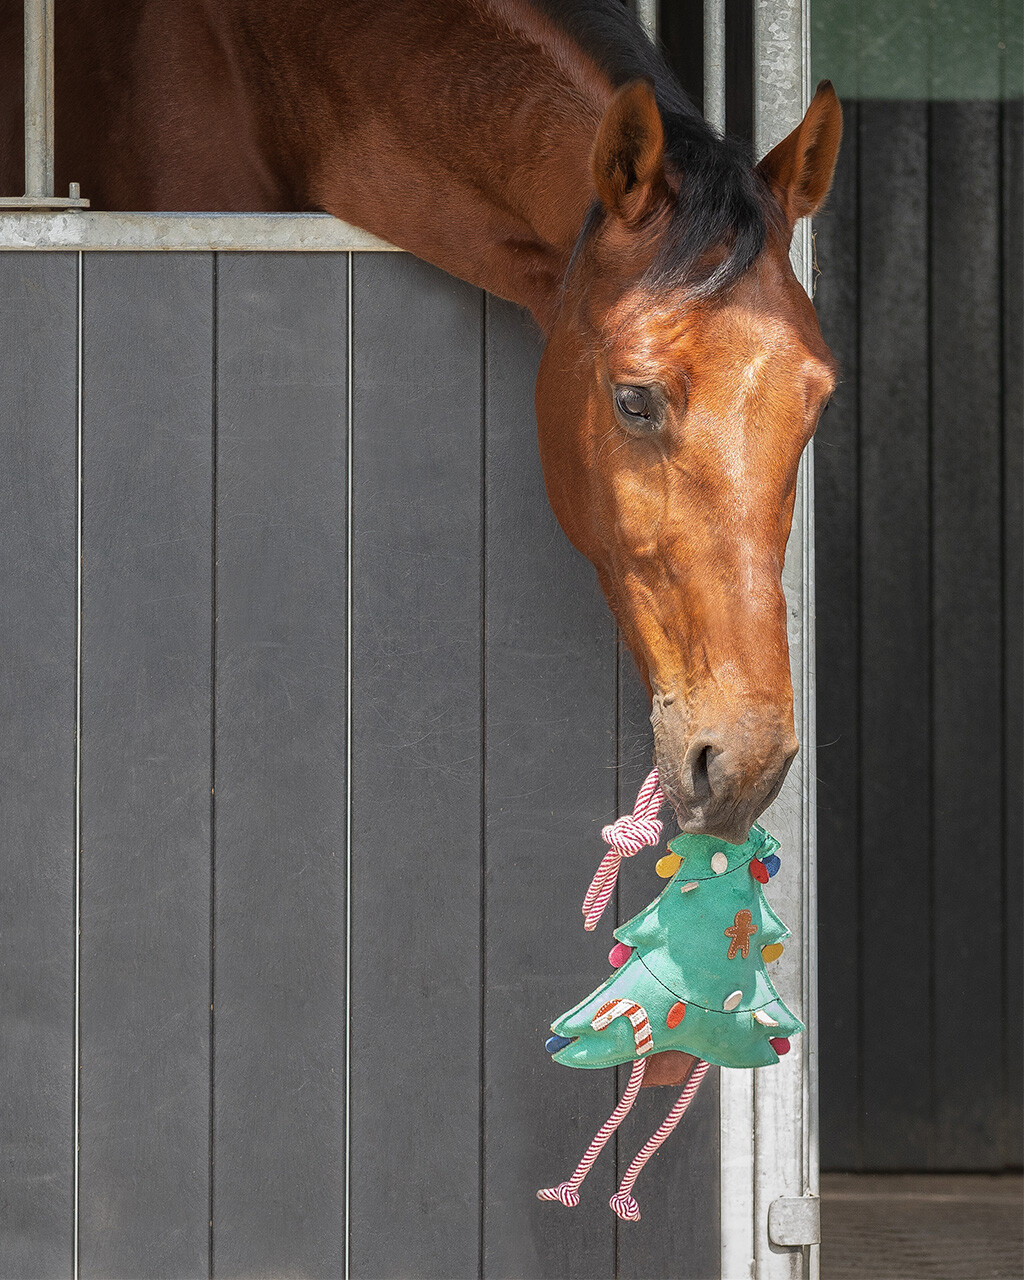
{"x":721,"y":199}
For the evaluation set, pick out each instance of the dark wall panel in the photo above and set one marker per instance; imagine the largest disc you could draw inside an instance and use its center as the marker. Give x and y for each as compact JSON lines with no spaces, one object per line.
{"x":38,"y":498}
{"x":550,"y":752}
{"x":919,"y":640}
{"x":1012,"y":377}
{"x":967,"y":713}
{"x":280,"y":786}
{"x":145,"y":953}
{"x":837,"y":541}
{"x":895,"y":634}
{"x":417,"y":702}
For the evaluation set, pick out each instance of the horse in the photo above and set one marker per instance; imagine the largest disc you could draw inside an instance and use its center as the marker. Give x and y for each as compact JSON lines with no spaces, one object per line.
{"x":542,"y":150}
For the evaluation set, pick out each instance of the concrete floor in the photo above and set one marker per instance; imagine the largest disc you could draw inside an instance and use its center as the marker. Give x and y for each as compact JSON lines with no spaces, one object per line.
{"x":922,"y":1227}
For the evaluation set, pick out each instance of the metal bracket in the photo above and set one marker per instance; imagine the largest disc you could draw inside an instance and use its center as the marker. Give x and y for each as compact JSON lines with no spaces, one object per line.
{"x":72,"y":201}
{"x":39,"y":117}
{"x":794,"y":1220}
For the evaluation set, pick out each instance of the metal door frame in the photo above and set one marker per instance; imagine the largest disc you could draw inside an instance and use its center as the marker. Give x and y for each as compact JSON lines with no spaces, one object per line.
{"x":769,"y":1119}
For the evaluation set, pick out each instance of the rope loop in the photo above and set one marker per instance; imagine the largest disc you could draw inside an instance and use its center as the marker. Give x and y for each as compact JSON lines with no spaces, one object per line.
{"x":628,"y":835}
{"x":625,"y":837}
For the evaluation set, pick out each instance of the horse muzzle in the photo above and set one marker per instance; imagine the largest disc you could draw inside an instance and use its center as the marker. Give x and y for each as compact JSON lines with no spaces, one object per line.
{"x":718,"y":772}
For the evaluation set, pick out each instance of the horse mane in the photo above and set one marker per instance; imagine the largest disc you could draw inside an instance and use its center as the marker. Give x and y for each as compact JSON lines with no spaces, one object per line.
{"x":722,"y":204}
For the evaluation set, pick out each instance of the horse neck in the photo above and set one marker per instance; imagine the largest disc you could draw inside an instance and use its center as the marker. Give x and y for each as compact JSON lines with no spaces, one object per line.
{"x":465,"y":141}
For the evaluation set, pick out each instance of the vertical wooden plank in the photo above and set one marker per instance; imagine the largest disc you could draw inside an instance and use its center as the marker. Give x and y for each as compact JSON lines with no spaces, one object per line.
{"x":550,"y":680}
{"x":678,"y":1234}
{"x":895,"y":638}
{"x":837,"y":534}
{"x":967,"y":710}
{"x":145,"y":940}
{"x":280,"y":804}
{"x":417,"y":784}
{"x":38,"y":552}
{"x":1013,"y":610}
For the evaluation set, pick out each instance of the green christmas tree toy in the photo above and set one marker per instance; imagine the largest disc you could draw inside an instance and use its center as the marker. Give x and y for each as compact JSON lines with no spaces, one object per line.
{"x":690,"y":974}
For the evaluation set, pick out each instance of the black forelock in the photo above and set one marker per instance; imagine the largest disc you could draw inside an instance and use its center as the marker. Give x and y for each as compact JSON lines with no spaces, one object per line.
{"x":722,"y":202}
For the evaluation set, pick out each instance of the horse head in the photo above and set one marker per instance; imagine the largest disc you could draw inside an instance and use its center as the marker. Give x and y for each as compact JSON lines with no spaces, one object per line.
{"x":683,"y":376}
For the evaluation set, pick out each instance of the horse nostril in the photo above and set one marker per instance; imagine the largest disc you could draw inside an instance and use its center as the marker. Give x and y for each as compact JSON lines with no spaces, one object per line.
{"x":700,"y":782}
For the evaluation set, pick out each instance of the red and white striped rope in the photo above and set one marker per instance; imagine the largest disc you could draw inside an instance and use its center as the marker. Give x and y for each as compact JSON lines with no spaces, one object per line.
{"x":622,"y":1201}
{"x":637,"y":1015}
{"x":625,"y":837}
{"x":567,"y":1192}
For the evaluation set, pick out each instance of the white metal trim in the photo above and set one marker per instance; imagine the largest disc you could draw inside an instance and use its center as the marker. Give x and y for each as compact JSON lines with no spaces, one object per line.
{"x":169,"y":232}
{"x":736,"y":1118}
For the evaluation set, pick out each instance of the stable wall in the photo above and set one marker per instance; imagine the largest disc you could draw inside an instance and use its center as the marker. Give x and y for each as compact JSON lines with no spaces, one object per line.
{"x":315,"y":753}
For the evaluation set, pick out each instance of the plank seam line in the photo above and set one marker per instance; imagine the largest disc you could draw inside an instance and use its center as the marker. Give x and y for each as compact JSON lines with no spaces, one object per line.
{"x":77,"y":1121}
{"x":349,"y":385}
{"x":1007,"y":1046}
{"x":617,"y":1172}
{"x":858,"y":409}
{"x":214,"y":387}
{"x":482,"y":1151}
{"x":929,"y":291}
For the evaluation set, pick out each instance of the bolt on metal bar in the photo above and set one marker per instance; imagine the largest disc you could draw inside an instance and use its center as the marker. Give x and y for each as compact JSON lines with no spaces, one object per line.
{"x":39,"y":98}
{"x":714,"y":64}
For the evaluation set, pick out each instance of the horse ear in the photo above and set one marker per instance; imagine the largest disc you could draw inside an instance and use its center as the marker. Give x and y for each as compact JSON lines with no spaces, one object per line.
{"x":799,"y":170}
{"x":628,"y":159}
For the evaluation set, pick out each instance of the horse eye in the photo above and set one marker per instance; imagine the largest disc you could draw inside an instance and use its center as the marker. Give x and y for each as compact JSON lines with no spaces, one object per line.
{"x":635,"y":403}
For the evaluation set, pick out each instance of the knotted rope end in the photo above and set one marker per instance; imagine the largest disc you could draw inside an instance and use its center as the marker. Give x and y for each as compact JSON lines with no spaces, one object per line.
{"x":563,"y":1193}
{"x":625,"y":1207}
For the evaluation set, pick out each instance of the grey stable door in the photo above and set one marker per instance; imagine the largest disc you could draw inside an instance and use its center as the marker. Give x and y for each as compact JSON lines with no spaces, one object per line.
{"x":311,"y":719}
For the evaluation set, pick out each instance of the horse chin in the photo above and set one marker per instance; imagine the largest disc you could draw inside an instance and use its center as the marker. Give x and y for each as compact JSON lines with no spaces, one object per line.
{"x":733,"y":831}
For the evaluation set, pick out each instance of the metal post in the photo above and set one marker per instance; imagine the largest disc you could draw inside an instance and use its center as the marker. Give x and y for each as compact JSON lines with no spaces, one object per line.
{"x":39,"y":98}
{"x":782,"y":84}
{"x":647,"y":12}
{"x":714,"y":64}
{"x":770,"y":1185}
{"x":39,"y":116}
{"x":786,"y":1102}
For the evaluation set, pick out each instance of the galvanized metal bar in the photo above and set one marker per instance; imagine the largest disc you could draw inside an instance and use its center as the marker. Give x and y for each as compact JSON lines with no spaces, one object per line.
{"x":714,"y":64}
{"x":39,"y":97}
{"x":647,"y":12}
{"x":39,"y":114}
{"x":782,"y":82}
{"x":228,"y":232}
{"x":770,"y":1149}
{"x":786,"y":1100}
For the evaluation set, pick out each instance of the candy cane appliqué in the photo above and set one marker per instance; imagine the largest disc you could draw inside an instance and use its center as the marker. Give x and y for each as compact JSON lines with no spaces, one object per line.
{"x":636,"y":1014}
